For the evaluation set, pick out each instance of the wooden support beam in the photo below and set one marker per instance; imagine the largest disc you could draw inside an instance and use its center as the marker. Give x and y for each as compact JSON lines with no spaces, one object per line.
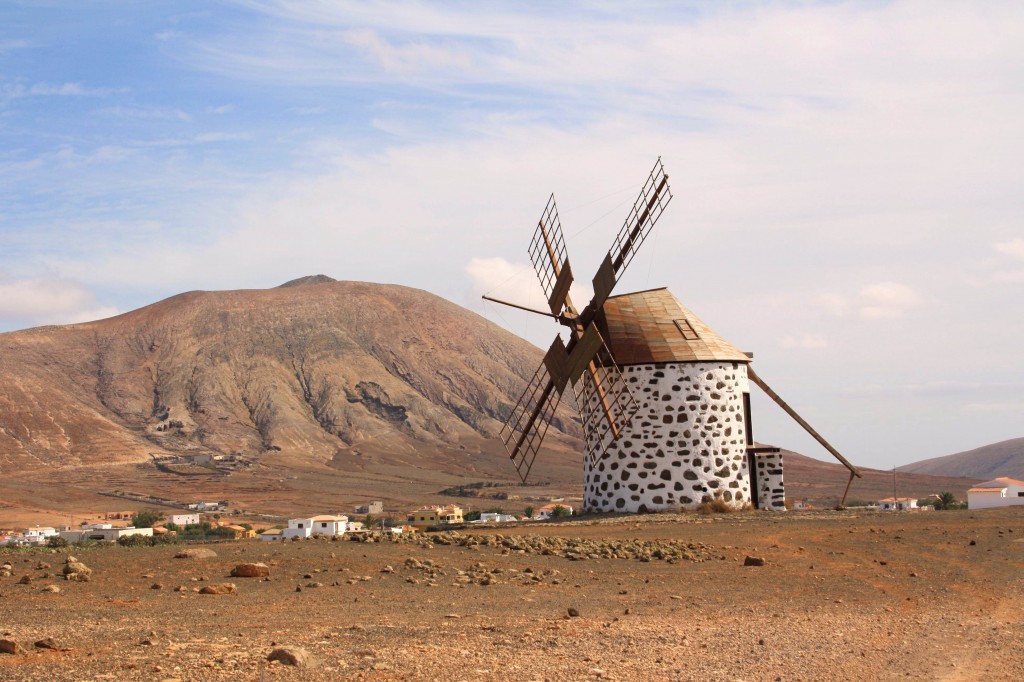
{"x":800,"y":420}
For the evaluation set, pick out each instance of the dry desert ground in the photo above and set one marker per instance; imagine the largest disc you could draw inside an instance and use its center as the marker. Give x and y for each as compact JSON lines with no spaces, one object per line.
{"x":841,"y":596}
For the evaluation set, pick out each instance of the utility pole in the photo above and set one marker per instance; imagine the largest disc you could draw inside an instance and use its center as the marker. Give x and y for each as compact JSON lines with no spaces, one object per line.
{"x":895,"y":502}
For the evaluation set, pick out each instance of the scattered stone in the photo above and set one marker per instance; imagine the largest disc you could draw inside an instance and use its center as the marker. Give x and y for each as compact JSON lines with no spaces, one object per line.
{"x":387,"y":569}
{"x":9,"y":646}
{"x":47,"y":643}
{"x":574,"y":612}
{"x":156,"y":586}
{"x":753,"y":561}
{"x":25,"y":580}
{"x":196,"y":553}
{"x":75,"y":570}
{"x":314,"y":584}
{"x":290,"y":655}
{"x":257,"y":570}
{"x":52,"y":589}
{"x":42,"y":566}
{"x":219,"y":588}
{"x":972,"y":543}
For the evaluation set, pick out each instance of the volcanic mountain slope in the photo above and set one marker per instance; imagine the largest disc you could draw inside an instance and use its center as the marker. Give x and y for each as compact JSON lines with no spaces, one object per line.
{"x":310,"y":369}
{"x":1005,"y":458}
{"x":823,"y":483}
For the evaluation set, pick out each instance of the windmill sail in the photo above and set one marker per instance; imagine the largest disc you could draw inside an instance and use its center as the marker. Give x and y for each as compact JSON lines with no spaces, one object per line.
{"x":526,"y":427}
{"x":550,"y":260}
{"x":605,"y":404}
{"x":648,"y":207}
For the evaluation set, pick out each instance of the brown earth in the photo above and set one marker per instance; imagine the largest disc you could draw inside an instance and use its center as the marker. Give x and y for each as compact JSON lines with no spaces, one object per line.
{"x":842,"y":595}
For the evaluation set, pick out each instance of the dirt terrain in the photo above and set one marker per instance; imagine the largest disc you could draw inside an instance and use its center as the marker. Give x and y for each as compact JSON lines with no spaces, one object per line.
{"x":842,"y":595}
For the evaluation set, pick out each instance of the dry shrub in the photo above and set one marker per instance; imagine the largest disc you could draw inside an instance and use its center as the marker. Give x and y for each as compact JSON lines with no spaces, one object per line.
{"x":715,"y":505}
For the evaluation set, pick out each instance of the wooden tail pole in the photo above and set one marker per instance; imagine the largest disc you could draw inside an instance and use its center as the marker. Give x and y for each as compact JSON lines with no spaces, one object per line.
{"x":854,"y":471}
{"x":842,"y":502}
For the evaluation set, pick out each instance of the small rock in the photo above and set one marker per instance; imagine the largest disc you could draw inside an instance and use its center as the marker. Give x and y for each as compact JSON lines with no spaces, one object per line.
{"x":972,"y":543}
{"x":290,"y":655}
{"x":52,"y":589}
{"x":257,"y":570}
{"x":25,"y":580}
{"x":156,"y":586}
{"x":196,"y":553}
{"x":219,"y":588}
{"x":47,"y":643}
{"x":574,"y":612}
{"x":753,"y":561}
{"x":9,"y":646}
{"x":75,"y":570}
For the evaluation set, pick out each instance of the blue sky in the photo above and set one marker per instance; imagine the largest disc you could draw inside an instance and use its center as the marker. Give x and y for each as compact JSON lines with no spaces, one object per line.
{"x":848,"y":181}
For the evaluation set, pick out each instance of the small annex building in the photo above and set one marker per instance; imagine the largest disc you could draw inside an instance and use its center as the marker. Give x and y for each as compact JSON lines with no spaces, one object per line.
{"x":999,"y":492}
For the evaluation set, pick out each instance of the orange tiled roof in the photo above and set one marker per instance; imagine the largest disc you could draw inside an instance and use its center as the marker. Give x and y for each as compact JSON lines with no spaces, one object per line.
{"x":653,"y":326}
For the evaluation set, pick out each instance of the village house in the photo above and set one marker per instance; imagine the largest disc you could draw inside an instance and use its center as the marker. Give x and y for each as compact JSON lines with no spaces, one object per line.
{"x":898,"y":504}
{"x":324,"y":524}
{"x":999,"y":492}
{"x":376,"y":507}
{"x":425,"y":517}
{"x":39,"y":535}
{"x":103,"y":532}
{"x":495,"y":517}
{"x":544,"y":513}
{"x":183,"y":520}
{"x":271,"y":535}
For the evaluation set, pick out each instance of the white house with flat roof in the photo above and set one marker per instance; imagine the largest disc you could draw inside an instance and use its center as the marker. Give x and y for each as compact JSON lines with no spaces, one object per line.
{"x":898,"y":504}
{"x":323,"y":524}
{"x":999,"y":492}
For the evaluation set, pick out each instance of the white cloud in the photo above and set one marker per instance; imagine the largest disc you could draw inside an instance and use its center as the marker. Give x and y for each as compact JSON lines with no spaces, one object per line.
{"x":879,"y":301}
{"x":45,"y":301}
{"x":886,"y":300}
{"x":1013,"y":248}
{"x":222,"y":109}
{"x":805,"y":342}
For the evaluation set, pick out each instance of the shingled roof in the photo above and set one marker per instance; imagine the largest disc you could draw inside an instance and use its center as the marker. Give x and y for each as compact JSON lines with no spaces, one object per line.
{"x":653,"y":326}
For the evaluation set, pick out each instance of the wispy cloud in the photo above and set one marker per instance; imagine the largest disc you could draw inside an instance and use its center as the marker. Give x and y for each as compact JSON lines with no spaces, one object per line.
{"x":45,"y":301}
{"x":1013,"y":248}
{"x":879,"y":301}
{"x":146,"y":113}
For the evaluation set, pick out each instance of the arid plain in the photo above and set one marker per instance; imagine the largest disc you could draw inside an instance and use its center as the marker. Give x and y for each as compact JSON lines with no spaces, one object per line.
{"x":841,"y":595}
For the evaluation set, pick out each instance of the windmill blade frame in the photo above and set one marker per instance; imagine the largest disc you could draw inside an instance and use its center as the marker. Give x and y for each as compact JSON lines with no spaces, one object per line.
{"x":524,"y":430}
{"x":654,"y":197}
{"x":606,"y":407}
{"x":550,"y":258}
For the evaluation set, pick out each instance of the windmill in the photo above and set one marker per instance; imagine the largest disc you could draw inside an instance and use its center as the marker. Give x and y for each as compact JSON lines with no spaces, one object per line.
{"x":664,"y":400}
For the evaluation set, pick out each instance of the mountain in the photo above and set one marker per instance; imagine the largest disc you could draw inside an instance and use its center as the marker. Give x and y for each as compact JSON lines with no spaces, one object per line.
{"x":314,"y":370}
{"x":308,"y":397}
{"x":1005,"y":458}
{"x":823,"y":483}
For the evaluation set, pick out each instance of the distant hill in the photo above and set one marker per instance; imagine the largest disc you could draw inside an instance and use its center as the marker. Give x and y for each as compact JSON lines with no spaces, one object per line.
{"x":313,"y":370}
{"x":984,"y":463}
{"x":823,"y":483}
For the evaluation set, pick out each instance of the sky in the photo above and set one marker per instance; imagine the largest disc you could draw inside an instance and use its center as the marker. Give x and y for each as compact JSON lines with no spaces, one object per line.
{"x":848,"y":177}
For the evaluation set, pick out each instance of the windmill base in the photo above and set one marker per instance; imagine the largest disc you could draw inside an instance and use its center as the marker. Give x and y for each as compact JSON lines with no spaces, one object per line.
{"x":686,"y":445}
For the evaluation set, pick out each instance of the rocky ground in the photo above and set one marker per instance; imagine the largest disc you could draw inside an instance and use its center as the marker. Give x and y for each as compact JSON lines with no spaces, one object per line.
{"x":840,"y":595}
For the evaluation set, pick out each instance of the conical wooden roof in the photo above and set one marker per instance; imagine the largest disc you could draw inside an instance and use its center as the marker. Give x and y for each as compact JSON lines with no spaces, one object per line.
{"x":652,"y":326}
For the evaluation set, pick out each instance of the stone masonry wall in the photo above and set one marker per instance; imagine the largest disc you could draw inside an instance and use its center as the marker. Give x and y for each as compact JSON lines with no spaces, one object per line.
{"x":771,"y":491}
{"x":686,"y":443}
